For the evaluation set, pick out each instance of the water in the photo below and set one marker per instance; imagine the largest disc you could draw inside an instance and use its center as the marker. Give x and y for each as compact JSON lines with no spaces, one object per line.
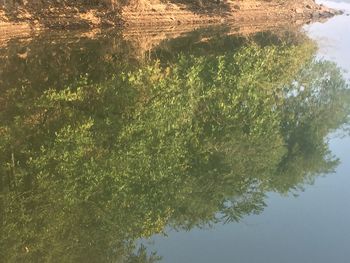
{"x":203,"y":147}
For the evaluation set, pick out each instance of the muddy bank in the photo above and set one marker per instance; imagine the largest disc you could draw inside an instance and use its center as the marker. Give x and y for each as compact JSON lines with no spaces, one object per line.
{"x":26,"y":21}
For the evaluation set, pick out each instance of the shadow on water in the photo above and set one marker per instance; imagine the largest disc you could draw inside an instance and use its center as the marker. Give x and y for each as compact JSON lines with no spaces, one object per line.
{"x":100,"y":148}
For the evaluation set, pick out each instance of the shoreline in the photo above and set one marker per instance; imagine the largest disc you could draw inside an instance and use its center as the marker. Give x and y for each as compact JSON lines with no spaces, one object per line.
{"x":249,"y":12}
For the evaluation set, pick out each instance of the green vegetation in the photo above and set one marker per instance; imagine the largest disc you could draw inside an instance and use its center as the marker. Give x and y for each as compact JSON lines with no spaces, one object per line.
{"x":191,"y":140}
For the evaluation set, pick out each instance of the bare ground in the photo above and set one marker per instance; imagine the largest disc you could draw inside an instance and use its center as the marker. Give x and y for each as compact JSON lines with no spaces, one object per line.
{"x":248,"y":11}
{"x":243,"y":14}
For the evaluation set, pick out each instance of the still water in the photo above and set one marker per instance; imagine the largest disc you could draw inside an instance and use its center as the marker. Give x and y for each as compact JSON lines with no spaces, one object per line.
{"x":204,"y":146}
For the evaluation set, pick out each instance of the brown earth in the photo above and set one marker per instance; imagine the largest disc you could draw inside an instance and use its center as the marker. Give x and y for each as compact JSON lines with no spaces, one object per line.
{"x":248,"y":11}
{"x":251,"y":13}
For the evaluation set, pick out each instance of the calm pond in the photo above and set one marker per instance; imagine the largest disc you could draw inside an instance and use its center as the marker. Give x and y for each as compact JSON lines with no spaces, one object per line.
{"x":205,"y":146}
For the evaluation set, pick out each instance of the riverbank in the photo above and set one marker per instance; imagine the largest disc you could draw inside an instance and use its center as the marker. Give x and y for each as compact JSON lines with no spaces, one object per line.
{"x":23,"y":21}
{"x":249,"y":11}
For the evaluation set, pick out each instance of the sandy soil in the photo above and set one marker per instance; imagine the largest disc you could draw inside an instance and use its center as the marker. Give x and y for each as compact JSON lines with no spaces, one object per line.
{"x":252,"y":11}
{"x":24,"y":22}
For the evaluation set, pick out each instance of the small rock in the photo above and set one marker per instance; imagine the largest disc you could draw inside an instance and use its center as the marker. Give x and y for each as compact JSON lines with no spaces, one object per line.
{"x":237,"y":7}
{"x":315,"y":15}
{"x":309,"y":6}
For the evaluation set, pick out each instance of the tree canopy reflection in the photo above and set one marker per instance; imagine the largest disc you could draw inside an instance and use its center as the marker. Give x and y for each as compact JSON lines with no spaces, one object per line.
{"x":197,"y":139}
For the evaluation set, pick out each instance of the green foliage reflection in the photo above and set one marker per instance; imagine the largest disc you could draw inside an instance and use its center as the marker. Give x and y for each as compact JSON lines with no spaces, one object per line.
{"x":89,"y":169}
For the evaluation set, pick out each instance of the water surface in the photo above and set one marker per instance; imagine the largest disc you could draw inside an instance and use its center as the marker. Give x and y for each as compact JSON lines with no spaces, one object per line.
{"x":205,"y":147}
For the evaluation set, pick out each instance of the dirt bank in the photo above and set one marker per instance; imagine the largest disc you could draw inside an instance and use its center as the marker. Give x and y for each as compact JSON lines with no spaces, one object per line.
{"x":23,"y":21}
{"x":248,"y":11}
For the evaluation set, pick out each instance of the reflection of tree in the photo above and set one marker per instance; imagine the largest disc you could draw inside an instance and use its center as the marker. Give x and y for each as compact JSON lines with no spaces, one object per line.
{"x":89,"y":169}
{"x":56,"y":60}
{"x":317,"y":104}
